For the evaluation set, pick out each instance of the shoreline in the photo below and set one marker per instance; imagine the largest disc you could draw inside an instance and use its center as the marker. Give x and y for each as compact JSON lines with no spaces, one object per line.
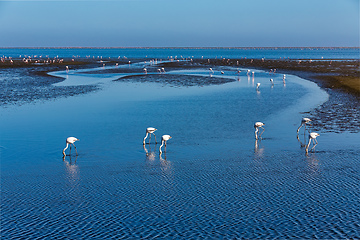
{"x":340,"y":113}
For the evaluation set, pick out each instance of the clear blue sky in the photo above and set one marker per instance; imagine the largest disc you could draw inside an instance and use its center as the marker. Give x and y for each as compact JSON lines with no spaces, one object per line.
{"x":180,"y":23}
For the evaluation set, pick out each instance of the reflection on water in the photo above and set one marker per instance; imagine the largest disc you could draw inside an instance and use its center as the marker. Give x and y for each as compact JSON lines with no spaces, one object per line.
{"x":301,"y":141}
{"x":258,"y":149}
{"x":150,"y":154}
{"x":71,"y":168}
{"x":313,"y":163}
{"x":165,"y":165}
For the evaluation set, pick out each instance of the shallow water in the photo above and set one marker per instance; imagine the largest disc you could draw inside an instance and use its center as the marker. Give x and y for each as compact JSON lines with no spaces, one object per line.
{"x":214,"y":181}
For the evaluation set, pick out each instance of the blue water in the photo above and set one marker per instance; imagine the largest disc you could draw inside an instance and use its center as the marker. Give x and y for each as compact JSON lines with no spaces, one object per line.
{"x":164,"y":53}
{"x":214,"y":180}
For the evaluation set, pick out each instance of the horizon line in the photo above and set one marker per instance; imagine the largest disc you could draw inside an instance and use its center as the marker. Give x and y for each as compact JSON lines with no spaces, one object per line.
{"x":73,"y":47}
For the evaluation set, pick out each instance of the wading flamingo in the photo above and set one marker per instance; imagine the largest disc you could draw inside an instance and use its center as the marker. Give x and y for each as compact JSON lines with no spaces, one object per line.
{"x":257,"y":86}
{"x":150,"y":130}
{"x":70,"y":140}
{"x":272,"y":81}
{"x":312,"y":136}
{"x":304,"y":121}
{"x":258,"y":125}
{"x":164,"y":139}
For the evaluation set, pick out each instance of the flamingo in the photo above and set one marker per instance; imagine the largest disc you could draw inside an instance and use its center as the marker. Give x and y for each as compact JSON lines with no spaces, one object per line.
{"x":304,"y":121}
{"x":248,"y":72}
{"x":150,"y":130}
{"x":222,"y":72}
{"x":256,"y":126}
{"x":284,"y":76}
{"x":257,"y":86}
{"x":211,"y":70}
{"x":145,"y":70}
{"x":163,"y":70}
{"x":312,"y":136}
{"x":70,"y":140}
{"x":164,"y":139}
{"x":272,"y":81}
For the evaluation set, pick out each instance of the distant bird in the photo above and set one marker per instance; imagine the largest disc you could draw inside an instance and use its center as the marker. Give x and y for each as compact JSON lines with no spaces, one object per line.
{"x":164,"y":139}
{"x":67,"y":68}
{"x":222,"y":72}
{"x":272,"y":81}
{"x":253,"y":73}
{"x":70,"y":140}
{"x":163,"y":70}
{"x":312,"y":136}
{"x":159,"y":70}
{"x":248,"y":72}
{"x":258,"y":125}
{"x":284,"y":77}
{"x":150,"y":130}
{"x":211,"y":70}
{"x":238,"y":71}
{"x":304,"y":121}
{"x":145,"y":70}
{"x":257,"y":86}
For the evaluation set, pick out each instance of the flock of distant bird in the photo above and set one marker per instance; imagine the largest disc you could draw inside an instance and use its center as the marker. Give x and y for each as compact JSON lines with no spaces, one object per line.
{"x":150,"y":130}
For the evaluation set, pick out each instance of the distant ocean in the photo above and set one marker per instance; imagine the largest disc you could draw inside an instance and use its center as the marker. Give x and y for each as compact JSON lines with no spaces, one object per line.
{"x":196,"y":53}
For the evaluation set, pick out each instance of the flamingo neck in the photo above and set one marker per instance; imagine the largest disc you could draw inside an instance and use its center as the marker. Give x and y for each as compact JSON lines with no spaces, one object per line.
{"x":67,"y":145}
{"x":145,"y":137}
{"x":162,"y":144}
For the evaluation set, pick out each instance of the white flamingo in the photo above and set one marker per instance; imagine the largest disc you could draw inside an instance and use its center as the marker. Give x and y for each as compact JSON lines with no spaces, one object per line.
{"x":304,"y":121}
{"x":145,"y":70}
{"x":149,"y":130}
{"x":211,"y":70}
{"x":257,"y":86}
{"x":312,"y":136}
{"x":164,"y":139}
{"x":258,"y":125}
{"x":69,"y":141}
{"x":284,"y":77}
{"x":272,"y":81}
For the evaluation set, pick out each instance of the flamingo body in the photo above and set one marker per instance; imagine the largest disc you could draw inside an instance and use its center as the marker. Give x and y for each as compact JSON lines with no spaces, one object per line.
{"x":149,"y":130}
{"x":258,"y":125}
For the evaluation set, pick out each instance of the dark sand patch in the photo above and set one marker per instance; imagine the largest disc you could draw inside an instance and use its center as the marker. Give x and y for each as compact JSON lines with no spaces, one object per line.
{"x":177,"y":80}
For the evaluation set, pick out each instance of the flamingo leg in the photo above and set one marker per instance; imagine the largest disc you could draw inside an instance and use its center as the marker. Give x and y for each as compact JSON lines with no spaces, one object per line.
{"x":149,"y":138}
{"x":314,"y":145}
{"x":262,"y":131}
{"x":256,"y":130}
{"x":75,"y":149}
{"x":155,"y":138}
